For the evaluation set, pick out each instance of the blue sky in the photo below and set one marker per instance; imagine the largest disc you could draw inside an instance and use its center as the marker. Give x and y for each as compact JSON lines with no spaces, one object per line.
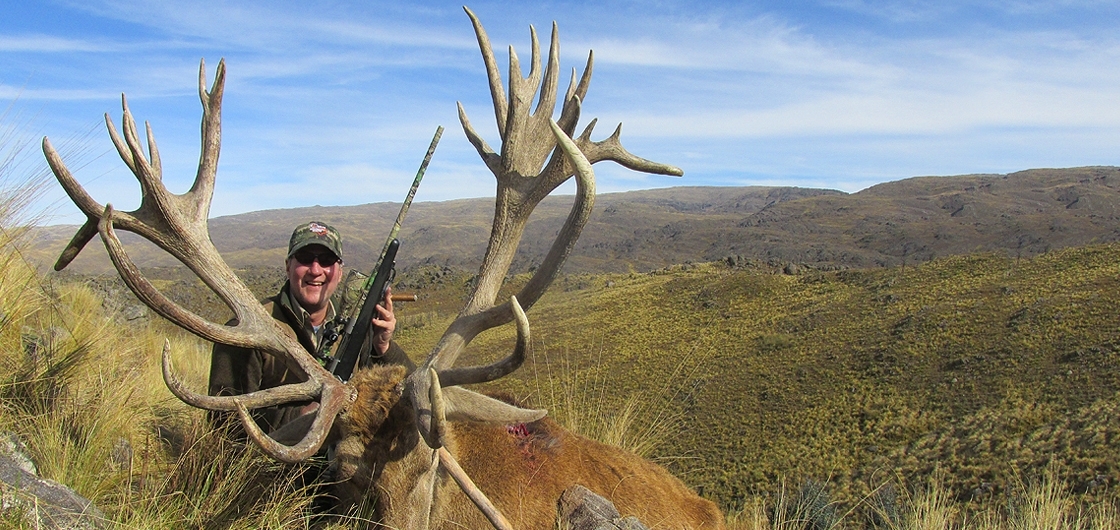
{"x":334,"y":103}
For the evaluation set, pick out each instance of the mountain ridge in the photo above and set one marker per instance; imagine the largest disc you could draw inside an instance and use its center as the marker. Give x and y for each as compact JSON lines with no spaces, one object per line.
{"x":906,"y":221}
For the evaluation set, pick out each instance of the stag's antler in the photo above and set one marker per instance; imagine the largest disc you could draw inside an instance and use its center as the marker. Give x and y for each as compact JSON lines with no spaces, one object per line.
{"x":537,"y":155}
{"x":177,"y":224}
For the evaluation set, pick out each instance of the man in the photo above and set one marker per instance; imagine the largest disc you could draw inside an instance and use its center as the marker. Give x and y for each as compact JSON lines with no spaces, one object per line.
{"x":314,"y":267}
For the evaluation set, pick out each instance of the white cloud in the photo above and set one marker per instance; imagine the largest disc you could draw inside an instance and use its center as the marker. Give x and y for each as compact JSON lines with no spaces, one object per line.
{"x":52,"y":44}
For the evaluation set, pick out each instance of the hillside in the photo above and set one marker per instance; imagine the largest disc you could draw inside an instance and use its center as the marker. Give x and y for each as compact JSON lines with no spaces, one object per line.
{"x":903,"y":222}
{"x":987,"y":367}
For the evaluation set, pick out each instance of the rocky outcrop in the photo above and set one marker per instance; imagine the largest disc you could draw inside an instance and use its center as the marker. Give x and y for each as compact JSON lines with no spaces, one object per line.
{"x":44,"y":503}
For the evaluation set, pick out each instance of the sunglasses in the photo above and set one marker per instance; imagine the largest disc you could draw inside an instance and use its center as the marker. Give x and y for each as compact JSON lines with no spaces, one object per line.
{"x":325,"y":259}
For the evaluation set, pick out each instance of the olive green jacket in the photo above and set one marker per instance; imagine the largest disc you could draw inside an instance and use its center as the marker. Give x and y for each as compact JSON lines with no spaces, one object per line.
{"x":236,"y":370}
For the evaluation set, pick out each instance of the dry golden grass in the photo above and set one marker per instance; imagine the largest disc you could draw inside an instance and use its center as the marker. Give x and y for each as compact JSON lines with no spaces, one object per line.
{"x":85,"y":395}
{"x":82,"y":390}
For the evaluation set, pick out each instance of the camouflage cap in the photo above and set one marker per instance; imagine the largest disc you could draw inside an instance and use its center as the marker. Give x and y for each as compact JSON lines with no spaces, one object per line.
{"x":315,"y":233}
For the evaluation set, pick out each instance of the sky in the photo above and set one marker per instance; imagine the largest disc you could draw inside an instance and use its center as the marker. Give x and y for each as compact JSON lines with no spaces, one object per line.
{"x":334,"y":103}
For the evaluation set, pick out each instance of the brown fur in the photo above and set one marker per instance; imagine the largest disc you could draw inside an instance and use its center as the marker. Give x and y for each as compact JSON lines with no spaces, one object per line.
{"x":362,"y":442}
{"x":522,"y":468}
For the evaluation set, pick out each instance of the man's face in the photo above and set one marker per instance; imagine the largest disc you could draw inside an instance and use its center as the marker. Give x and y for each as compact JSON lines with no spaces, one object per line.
{"x":313,"y":283}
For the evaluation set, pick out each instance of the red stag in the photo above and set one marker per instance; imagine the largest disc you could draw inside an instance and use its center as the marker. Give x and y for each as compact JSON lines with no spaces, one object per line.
{"x":393,"y":434}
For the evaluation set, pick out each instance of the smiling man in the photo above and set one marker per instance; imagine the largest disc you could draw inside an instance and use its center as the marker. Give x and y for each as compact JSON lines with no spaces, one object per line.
{"x":314,"y":268}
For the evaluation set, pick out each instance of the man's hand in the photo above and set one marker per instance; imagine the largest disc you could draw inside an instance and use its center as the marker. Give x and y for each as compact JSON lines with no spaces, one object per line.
{"x":383,"y":323}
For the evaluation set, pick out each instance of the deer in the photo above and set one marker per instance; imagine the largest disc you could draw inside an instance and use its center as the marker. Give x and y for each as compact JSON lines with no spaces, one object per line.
{"x":430,"y":453}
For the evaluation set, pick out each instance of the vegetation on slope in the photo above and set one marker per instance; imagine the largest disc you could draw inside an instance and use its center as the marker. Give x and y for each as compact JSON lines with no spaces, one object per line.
{"x":986,"y":368}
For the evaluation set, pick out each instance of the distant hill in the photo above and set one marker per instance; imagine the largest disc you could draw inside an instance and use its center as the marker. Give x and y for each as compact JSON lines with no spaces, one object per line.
{"x":902,"y":222}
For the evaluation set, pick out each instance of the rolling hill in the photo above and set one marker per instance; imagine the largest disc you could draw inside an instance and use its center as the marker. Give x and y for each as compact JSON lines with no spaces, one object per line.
{"x":903,"y":222}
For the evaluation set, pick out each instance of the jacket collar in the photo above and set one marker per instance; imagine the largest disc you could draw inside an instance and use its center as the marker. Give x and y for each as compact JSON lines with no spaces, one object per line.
{"x":299,"y":318}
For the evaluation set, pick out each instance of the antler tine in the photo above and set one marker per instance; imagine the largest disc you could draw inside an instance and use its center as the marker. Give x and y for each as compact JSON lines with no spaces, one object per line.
{"x":497,"y":93}
{"x":492,"y":160}
{"x":497,"y":370}
{"x":612,"y":149}
{"x":262,"y":398}
{"x":569,"y":114}
{"x":211,"y":133}
{"x":534,"y":78}
{"x":91,"y":208}
{"x":153,"y":151}
{"x":559,"y":167}
{"x":551,"y":82}
{"x":520,"y":100}
{"x":148,"y":174}
{"x":332,"y":401}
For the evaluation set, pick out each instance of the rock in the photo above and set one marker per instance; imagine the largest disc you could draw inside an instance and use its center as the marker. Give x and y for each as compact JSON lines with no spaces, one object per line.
{"x":46,"y":503}
{"x":583,"y":509}
{"x":134,"y":312}
{"x":12,"y":447}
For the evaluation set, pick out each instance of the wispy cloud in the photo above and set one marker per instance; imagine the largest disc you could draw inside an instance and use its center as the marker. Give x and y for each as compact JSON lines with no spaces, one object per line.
{"x":837,"y":93}
{"x":52,"y":44}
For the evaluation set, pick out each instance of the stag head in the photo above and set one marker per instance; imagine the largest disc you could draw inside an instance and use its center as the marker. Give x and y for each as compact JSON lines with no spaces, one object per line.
{"x":537,"y":155}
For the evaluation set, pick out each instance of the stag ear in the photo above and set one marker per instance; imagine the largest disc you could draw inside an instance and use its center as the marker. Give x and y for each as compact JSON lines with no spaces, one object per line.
{"x":466,"y":405}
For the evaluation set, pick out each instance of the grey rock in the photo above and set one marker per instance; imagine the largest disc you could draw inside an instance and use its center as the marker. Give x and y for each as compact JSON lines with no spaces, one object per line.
{"x":583,"y":509}
{"x":134,"y":312}
{"x":12,"y":447}
{"x":46,"y":503}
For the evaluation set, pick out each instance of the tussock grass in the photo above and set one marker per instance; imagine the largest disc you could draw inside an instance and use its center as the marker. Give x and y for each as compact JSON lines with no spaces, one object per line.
{"x":85,"y":395}
{"x":1045,"y":504}
{"x":586,"y":403}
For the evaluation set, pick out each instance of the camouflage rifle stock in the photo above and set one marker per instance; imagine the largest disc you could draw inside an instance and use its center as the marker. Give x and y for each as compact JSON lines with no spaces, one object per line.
{"x":356,"y":330}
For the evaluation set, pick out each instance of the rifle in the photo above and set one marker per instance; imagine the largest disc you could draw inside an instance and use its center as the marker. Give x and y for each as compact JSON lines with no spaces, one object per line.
{"x":373,"y":292}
